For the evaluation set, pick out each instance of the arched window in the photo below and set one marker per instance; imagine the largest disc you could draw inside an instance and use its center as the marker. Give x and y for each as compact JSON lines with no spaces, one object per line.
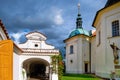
{"x":115,"y":28}
{"x":71,"y":49}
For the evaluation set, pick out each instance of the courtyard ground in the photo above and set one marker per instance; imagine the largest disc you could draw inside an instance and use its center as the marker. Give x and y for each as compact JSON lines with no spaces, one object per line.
{"x":80,"y":77}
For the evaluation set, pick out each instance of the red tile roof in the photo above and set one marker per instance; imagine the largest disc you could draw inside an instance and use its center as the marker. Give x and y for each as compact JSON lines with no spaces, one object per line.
{"x":94,"y":33}
{"x":5,"y":31}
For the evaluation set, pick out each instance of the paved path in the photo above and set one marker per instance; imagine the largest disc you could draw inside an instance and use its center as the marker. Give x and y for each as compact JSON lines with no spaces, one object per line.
{"x":33,"y":79}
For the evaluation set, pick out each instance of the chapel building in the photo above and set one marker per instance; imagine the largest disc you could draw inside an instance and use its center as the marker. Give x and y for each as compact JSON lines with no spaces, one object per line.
{"x":96,"y":51}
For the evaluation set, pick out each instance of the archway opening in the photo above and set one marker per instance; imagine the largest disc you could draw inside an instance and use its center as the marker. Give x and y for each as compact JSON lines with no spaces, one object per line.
{"x":37,"y":68}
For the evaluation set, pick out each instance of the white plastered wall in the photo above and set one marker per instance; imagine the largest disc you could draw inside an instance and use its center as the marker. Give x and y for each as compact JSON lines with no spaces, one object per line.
{"x":104,"y":53}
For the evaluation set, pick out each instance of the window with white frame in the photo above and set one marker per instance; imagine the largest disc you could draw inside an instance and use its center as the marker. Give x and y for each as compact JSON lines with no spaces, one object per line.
{"x":115,"y":28}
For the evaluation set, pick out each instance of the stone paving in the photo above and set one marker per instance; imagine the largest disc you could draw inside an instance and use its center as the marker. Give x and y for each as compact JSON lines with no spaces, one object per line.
{"x":33,"y":79}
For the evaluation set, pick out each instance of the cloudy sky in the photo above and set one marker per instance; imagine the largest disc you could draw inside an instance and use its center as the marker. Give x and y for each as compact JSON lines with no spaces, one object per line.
{"x":54,"y":18}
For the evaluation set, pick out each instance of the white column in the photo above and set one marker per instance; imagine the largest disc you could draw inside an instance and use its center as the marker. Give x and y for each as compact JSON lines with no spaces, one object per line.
{"x":24,"y":74}
{"x":20,"y":72}
{"x":54,"y":76}
{"x":50,"y":72}
{"x":47,"y":71}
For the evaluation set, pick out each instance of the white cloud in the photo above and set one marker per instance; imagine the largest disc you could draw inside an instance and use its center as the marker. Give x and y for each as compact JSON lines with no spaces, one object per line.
{"x":57,"y":16}
{"x":52,"y":15}
{"x":17,"y":36}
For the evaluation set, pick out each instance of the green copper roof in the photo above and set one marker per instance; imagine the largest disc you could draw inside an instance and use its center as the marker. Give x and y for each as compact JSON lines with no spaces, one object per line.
{"x":79,"y":31}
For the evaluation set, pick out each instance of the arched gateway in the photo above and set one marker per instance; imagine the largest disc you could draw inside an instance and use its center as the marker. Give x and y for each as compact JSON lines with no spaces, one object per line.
{"x":35,"y":59}
{"x":36,"y":68}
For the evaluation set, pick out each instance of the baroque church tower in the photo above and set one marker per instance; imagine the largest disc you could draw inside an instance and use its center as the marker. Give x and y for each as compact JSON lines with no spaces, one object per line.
{"x":77,"y":49}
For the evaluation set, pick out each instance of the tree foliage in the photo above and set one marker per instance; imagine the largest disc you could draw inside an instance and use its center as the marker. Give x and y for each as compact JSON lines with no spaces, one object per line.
{"x":58,"y":65}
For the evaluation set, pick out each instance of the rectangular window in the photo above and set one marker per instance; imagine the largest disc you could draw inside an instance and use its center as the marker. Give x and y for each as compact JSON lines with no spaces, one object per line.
{"x":71,"y":49}
{"x":115,"y":28}
{"x":99,"y":38}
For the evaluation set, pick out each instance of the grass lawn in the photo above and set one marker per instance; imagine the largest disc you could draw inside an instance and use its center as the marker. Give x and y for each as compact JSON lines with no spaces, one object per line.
{"x":79,"y":77}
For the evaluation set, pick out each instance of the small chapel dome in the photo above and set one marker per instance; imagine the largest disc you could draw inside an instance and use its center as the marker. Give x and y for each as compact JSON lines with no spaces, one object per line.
{"x":79,"y":31}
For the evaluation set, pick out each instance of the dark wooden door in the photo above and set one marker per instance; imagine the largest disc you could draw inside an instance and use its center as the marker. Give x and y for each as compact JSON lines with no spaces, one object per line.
{"x":86,"y":67}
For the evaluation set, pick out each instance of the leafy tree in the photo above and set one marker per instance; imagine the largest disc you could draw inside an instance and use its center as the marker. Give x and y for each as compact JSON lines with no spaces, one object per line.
{"x":58,"y":65}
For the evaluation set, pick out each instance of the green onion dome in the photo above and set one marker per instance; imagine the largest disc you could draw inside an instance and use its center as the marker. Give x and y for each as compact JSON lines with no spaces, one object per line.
{"x":79,"y":31}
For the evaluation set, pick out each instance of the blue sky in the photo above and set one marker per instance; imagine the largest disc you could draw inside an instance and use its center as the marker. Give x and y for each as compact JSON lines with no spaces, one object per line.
{"x":54,"y":18}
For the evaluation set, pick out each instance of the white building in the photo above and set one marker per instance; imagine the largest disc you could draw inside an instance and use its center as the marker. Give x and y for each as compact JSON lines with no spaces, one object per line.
{"x":86,"y":52}
{"x":77,"y":49}
{"x":32,"y":59}
{"x":107,"y":24}
{"x":36,"y":56}
{"x":94,"y":51}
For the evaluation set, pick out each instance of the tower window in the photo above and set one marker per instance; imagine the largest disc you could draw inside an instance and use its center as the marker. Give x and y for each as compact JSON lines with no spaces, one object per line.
{"x":71,"y":61}
{"x":99,"y":37}
{"x":36,"y":45}
{"x":71,"y":49}
{"x":115,"y":28}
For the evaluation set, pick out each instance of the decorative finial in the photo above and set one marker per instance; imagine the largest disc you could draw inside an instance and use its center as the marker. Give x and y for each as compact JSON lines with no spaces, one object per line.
{"x":78,"y":8}
{"x":79,"y":19}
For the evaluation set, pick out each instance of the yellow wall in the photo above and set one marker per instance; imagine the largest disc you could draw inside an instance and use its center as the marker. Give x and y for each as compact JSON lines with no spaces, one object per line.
{"x":6,"y":60}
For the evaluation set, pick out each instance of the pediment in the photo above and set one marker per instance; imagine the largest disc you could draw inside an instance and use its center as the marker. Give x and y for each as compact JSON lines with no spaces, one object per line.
{"x":36,"y":36}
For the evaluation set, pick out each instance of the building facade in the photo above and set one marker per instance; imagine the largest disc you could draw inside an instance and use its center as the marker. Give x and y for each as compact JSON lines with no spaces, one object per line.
{"x":31,"y":60}
{"x":107,"y":24}
{"x":96,"y":51}
{"x":36,"y":55}
{"x":8,"y":56}
{"x":77,"y":46}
